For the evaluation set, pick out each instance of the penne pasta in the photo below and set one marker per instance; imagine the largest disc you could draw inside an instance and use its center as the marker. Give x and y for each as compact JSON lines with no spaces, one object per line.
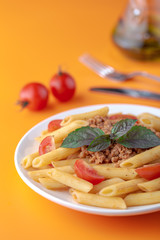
{"x":121,"y":188}
{"x":150,"y":186}
{"x":156,"y":161}
{"x":148,"y":114}
{"x":44,"y":132}
{"x":70,"y":180}
{"x":97,"y":200}
{"x":27,"y":161}
{"x":149,"y":120}
{"x":73,"y":156}
{"x":55,"y":155}
{"x":137,"y":199}
{"x":85,"y":116}
{"x":51,"y":184}
{"x":63,"y":132}
{"x":123,"y":173}
{"x":36,"y":174}
{"x":68,"y":169}
{"x":96,"y":188}
{"x":62,"y":163}
{"x":109,"y":165}
{"x":142,"y":158}
{"x":67,"y":162}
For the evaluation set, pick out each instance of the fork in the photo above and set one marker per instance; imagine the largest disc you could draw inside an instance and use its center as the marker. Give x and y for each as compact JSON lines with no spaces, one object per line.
{"x":106,"y":71}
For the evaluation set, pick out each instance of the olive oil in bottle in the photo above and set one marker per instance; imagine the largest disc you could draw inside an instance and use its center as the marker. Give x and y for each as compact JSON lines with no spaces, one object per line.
{"x":137,"y":33}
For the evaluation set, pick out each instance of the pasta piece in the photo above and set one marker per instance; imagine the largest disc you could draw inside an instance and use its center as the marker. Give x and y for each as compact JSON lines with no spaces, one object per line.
{"x":150,"y":186}
{"x":84,"y":116}
{"x":149,"y":115}
{"x":63,"y":132}
{"x":137,"y":199}
{"x":67,"y":162}
{"x":68,"y":169}
{"x":118,"y":189}
{"x":123,"y":173}
{"x":73,"y":156}
{"x":155,"y":161}
{"x":96,"y":188}
{"x":142,"y":158}
{"x":64,"y":162}
{"x":98,"y":201}
{"x":55,"y":155}
{"x":109,"y":165}
{"x":36,"y":174}
{"x":44,"y":132}
{"x":27,"y":161}
{"x":51,"y":184}
{"x":149,"y":120}
{"x":70,"y":180}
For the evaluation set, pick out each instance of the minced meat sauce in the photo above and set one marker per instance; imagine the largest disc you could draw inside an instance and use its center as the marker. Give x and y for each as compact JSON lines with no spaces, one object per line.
{"x":115,"y":153}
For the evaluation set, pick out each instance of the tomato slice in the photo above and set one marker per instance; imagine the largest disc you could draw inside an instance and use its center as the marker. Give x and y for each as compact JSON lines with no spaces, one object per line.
{"x":149,"y":172}
{"x":54,"y":125}
{"x":86,"y":172}
{"x":50,"y":165}
{"x":46,"y":145}
{"x":122,"y":116}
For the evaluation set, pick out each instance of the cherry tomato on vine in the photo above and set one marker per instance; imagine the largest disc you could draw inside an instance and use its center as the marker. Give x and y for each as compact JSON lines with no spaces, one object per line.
{"x":47,"y":145}
{"x":33,"y":96}
{"x":54,"y":125}
{"x":62,"y":86}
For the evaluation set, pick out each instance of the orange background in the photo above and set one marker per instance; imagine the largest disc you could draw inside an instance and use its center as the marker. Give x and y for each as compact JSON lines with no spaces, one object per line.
{"x":36,"y":37}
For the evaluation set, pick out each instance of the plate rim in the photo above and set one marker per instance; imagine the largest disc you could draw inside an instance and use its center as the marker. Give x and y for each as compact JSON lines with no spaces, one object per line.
{"x":73,"y":205}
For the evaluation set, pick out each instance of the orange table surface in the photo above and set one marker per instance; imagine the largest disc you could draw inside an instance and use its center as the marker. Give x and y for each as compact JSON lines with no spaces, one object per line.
{"x":36,"y":37}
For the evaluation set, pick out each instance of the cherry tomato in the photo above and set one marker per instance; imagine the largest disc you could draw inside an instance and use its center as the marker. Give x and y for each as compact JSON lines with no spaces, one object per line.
{"x":122,"y":116}
{"x":54,"y":125}
{"x":149,"y":172}
{"x":34,"y":96}
{"x":46,"y":145}
{"x":63,"y":86}
{"x":86,"y":172}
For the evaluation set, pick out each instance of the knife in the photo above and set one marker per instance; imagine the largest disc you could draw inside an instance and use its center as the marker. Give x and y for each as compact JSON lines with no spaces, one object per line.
{"x":128,"y":92}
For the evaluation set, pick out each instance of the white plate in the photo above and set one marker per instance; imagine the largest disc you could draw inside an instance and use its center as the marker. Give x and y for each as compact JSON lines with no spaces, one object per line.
{"x":27,"y":145}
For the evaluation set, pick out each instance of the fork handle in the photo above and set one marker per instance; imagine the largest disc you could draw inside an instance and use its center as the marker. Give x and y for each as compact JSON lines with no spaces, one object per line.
{"x":144,"y":74}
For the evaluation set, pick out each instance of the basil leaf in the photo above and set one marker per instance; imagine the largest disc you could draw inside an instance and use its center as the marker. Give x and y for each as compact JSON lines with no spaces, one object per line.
{"x":122,"y":127}
{"x":99,"y":143}
{"x":139,"y":137}
{"x":81,"y":137}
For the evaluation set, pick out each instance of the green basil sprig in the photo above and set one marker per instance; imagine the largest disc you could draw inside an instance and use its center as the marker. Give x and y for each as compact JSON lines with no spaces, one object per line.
{"x":123,"y":132}
{"x":122,"y":127}
{"x":139,"y":137}
{"x":81,"y":137}
{"x":99,"y":143}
